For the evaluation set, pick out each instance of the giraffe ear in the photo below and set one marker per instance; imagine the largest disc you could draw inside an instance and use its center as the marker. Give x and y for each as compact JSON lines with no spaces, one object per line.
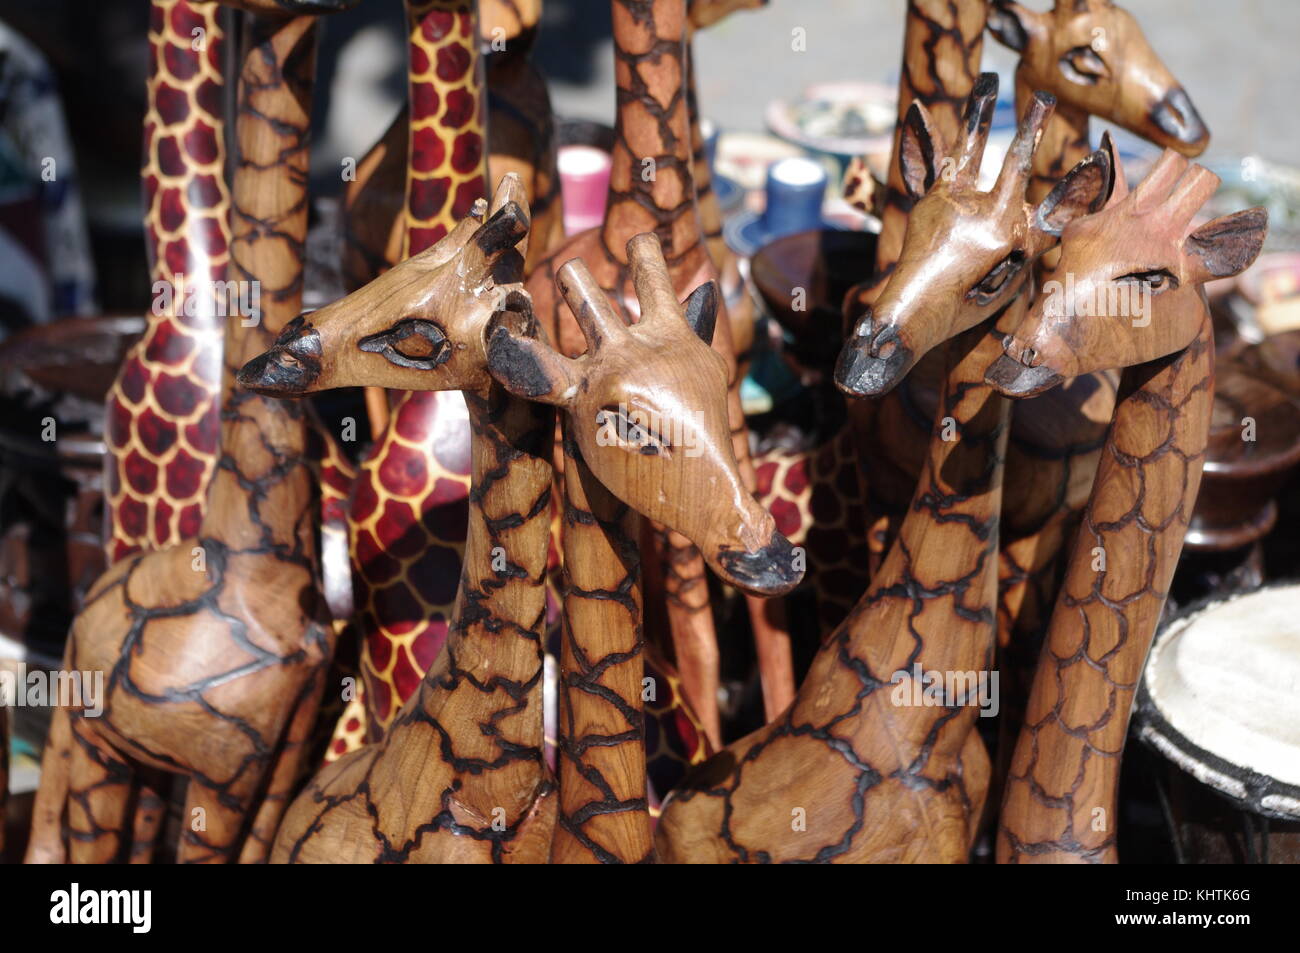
{"x":920,"y":148}
{"x":701,"y":309}
{"x":520,"y":360}
{"x":1225,"y":246}
{"x":1083,"y":191}
{"x":1013,"y":24}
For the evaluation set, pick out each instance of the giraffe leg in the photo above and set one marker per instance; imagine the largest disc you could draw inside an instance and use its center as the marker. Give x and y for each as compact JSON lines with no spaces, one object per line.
{"x":99,"y":794}
{"x":775,"y":658}
{"x":257,"y":846}
{"x":46,"y":845}
{"x":150,"y":812}
{"x":213,"y":821}
{"x":690,"y":620}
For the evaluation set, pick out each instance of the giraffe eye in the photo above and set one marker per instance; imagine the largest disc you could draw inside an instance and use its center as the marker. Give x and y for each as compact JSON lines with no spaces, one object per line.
{"x":411,"y":342}
{"x":631,"y":432}
{"x":1082,"y":65}
{"x":1155,"y":280}
{"x":992,"y":284}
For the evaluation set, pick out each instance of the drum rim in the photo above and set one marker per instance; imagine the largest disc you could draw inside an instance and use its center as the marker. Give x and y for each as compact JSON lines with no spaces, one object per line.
{"x":1158,"y":735}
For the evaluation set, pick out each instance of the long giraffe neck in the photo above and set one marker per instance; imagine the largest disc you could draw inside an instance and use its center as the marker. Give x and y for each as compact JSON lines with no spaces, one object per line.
{"x":946,"y":548}
{"x":706,"y":199}
{"x":260,"y":497}
{"x":942,"y":43}
{"x":652,"y":182}
{"x":489,"y":675}
{"x":407,"y":513}
{"x":1064,"y":142}
{"x":447,"y":171}
{"x":1062,"y":793}
{"x":162,"y":411}
{"x":603,"y":814}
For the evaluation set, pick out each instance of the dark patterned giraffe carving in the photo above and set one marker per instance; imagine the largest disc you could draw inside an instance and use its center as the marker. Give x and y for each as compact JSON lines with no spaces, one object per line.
{"x":646,"y":430}
{"x":213,"y":649}
{"x":832,"y":503}
{"x":1136,"y":304}
{"x":652,"y":188}
{"x":1095,"y":59}
{"x":876,"y":780}
{"x":459,"y":775}
{"x":843,"y":774}
{"x":408,"y":506}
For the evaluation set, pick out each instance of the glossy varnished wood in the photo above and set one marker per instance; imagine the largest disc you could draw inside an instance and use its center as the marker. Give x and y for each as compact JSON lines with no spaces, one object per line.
{"x":1062,"y":795}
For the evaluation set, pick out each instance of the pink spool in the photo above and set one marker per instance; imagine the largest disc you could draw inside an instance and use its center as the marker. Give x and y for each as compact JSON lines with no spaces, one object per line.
{"x":584,"y":183}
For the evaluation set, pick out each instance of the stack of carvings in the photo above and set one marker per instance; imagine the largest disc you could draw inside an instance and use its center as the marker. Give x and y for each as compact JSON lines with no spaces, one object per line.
{"x":479,"y":328}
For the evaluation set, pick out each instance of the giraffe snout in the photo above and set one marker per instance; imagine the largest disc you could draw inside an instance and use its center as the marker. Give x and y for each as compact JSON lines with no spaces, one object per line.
{"x":290,"y":367}
{"x":873,"y":360}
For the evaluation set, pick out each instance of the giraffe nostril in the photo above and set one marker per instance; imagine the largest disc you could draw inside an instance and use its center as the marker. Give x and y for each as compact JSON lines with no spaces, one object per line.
{"x":1007,"y":342}
{"x":884,"y":343}
{"x":1027,"y":357}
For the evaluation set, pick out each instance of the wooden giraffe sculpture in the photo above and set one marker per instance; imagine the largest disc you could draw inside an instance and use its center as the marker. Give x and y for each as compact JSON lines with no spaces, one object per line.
{"x":876,"y":779}
{"x":162,"y":426}
{"x":1136,"y":303}
{"x":213,"y":650}
{"x":652,"y":188}
{"x":408,"y":505}
{"x":520,"y":139}
{"x":821,"y":496}
{"x":459,"y":775}
{"x":646,"y":430}
{"x":1095,"y":59}
{"x":162,"y":416}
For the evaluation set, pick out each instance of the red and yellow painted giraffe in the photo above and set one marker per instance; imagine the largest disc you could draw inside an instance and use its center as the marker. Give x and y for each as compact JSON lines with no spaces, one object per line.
{"x":162,"y":428}
{"x":408,"y":507}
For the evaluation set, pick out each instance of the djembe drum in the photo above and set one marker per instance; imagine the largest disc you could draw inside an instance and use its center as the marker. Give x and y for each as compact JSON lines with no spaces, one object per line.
{"x":1220,"y":703}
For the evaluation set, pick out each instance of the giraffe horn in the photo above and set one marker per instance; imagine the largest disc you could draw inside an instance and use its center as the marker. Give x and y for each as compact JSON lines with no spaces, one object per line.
{"x":511,"y":189}
{"x":1192,"y":191}
{"x":654,"y":289}
{"x":587,"y":301}
{"x":1159,"y":182}
{"x":1020,"y":157}
{"x":499,"y":234}
{"x":976,"y":123}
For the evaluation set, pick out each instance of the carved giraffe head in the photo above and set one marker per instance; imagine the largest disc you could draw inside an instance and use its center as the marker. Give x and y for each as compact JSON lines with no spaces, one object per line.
{"x":419,"y":326}
{"x":1093,"y":56}
{"x":1127,"y":289}
{"x":648,"y":409}
{"x":966,"y":253}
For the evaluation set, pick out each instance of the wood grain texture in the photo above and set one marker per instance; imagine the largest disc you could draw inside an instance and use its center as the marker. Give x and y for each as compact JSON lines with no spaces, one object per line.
{"x":845,"y":774}
{"x":213,"y":650}
{"x":459,"y":775}
{"x":1062,"y":795}
{"x":647,"y":431}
